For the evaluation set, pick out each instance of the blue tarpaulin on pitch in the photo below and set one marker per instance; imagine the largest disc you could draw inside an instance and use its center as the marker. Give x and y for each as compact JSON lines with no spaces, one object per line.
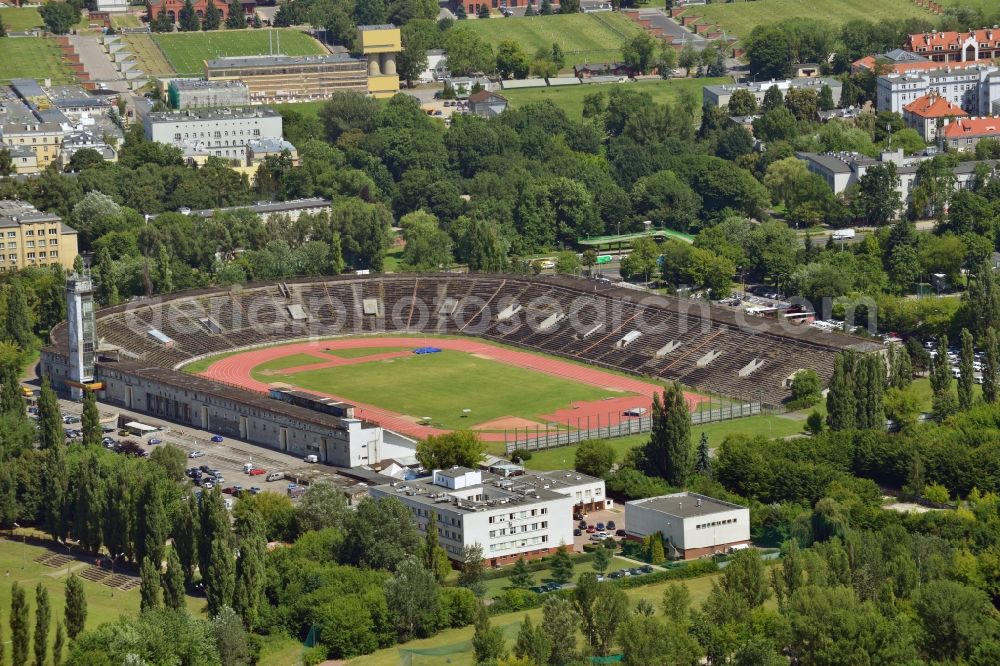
{"x":426,"y":350}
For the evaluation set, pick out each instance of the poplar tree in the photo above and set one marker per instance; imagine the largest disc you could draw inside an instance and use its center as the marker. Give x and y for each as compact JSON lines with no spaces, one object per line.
{"x":965,"y":368}
{"x":991,"y":366}
{"x":187,"y":525}
{"x":869,"y":381}
{"x":149,"y":585}
{"x":668,"y":452}
{"x":151,"y":525}
{"x":900,"y":367}
{"x":841,"y":410}
{"x":434,"y":557}
{"x":50,"y":424}
{"x":532,"y":643}
{"x":214,"y":525}
{"x":89,"y":503}
{"x":54,"y":498}
{"x":944,"y":404}
{"x":11,"y":402}
{"x":20,"y":324}
{"x":43,"y":618}
{"x":250,"y":574}
{"x":91,"y":420}
{"x":20,"y":631}
{"x":703,"y":463}
{"x":59,"y":644}
{"x":219,"y":576}
{"x":488,"y":643}
{"x":76,"y":606}
{"x":173,"y":582}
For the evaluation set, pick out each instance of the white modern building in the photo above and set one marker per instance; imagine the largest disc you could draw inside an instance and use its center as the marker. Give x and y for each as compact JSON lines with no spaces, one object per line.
{"x":718,"y":95}
{"x":112,"y":6}
{"x":224,"y":133}
{"x":974,"y":89}
{"x":693,"y":525}
{"x":524,"y":516}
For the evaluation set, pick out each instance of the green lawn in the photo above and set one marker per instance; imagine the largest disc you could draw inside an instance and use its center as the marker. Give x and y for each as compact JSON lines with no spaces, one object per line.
{"x":570,"y":98}
{"x":361,"y":352}
{"x":582,"y":37}
{"x":104,"y":604}
{"x":148,"y":55}
{"x":442,"y":385}
{"x":740,"y":18}
{"x":453,"y":647}
{"x":187,"y":51}
{"x":770,"y":426}
{"x":497,"y":585}
{"x":17,"y":19}
{"x":33,"y":58}
{"x":308,"y":109}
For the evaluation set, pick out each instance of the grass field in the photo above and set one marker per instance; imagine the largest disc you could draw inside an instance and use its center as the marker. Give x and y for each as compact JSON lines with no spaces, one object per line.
{"x":187,"y":52}
{"x":125,"y":21}
{"x":570,"y":98}
{"x":740,"y":18}
{"x":453,"y":647}
{"x":497,"y":585}
{"x":582,"y":37}
{"x":442,"y":385}
{"x":148,"y":55}
{"x":32,"y":57}
{"x":361,"y":352}
{"x":767,"y":425}
{"x":17,"y":19}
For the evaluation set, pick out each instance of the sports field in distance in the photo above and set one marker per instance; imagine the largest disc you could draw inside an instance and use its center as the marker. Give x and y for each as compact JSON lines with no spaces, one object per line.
{"x":437,"y":385}
{"x":31,"y":57}
{"x":570,"y":98}
{"x":741,"y":17}
{"x":17,"y":19}
{"x":582,"y":37}
{"x":187,"y":51}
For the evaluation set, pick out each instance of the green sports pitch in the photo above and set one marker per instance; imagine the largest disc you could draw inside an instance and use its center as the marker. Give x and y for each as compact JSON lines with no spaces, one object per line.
{"x":188,"y":51}
{"x":440,"y":386}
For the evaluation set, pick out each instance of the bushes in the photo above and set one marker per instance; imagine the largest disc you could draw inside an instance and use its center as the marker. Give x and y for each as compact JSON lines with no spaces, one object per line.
{"x":680,"y":572}
{"x":513,"y":600}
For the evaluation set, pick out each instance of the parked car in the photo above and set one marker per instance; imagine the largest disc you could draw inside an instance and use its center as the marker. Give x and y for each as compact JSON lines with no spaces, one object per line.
{"x":591,"y":529}
{"x":255,"y":490}
{"x":611,"y":525}
{"x":616,"y":575}
{"x":646,"y":569}
{"x":577,"y":532}
{"x":297,"y":491}
{"x":600,"y":527}
{"x":207,"y":484}
{"x":257,"y":471}
{"x":311,"y":458}
{"x":275,"y":476}
{"x":217,"y":438}
{"x":195,"y":454}
{"x":229,"y":491}
{"x":205,"y":468}
{"x":105,"y":428}
{"x":123,"y":433}
{"x":582,"y":524}
{"x":155,"y":441}
{"x":621,"y":533}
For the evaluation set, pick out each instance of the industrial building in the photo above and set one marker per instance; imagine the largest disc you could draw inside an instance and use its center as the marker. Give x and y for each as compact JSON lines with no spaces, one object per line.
{"x":692,"y":525}
{"x":31,"y":237}
{"x":508,"y":518}
{"x":199,"y":94}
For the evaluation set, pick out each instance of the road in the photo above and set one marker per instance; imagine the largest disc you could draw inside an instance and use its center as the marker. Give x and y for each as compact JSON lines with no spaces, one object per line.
{"x":97,"y":63}
{"x":659,"y":19}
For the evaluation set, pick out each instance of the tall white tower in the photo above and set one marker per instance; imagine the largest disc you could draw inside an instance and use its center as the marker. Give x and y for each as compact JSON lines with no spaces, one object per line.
{"x":82,"y":331}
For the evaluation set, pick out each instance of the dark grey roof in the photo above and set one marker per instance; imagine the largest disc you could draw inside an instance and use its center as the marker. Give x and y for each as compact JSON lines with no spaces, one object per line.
{"x":191,"y":115}
{"x":383,"y":26}
{"x":278,"y":60}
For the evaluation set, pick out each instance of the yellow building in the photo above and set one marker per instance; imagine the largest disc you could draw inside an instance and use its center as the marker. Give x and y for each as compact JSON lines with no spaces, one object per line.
{"x":43,"y":138}
{"x":381,"y":44}
{"x":30,"y":237}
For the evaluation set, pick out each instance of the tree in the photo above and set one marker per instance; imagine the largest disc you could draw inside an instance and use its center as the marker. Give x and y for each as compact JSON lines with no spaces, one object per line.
{"x":900,"y":367}
{"x":802,"y":103}
{"x":149,"y":585}
{"x":806,"y":387}
{"x":488,"y":643}
{"x":775,"y":124}
{"x":791,"y":575}
{"x":50,"y":425}
{"x":744,"y":578}
{"x":484,"y":11}
{"x":20,"y":630}
{"x":187,"y":18}
{"x":770,"y":52}
{"x":248,"y":594}
{"x":412,"y":595}
{"x":219,"y":577}
{"x":213,"y":17}
{"x":187,"y":525}
{"x":532,"y":643}
{"x":461,"y":448}
{"x":878,"y":199}
{"x":559,"y":623}
{"x":841,"y":399}
{"x":512,"y":61}
{"x":3,"y":33}
{"x":76,"y":607}
{"x":991,"y":366}
{"x":151,"y":525}
{"x":584,"y":599}
{"x":59,"y":644}
{"x":569,"y":6}
{"x":594,"y":457}
{"x":687,"y":58}
{"x":562,"y":565}
{"x":826,"y":98}
{"x":236,"y":647}
{"x":703,"y":460}
{"x":471,"y":574}
{"x":483,"y":248}
{"x":60,"y":17}
{"x":965,"y":378}
{"x":468,"y":54}
{"x":323,"y":506}
{"x":235,"y":18}
{"x":610,"y":612}
{"x":173,"y":582}
{"x":954,"y":618}
{"x":668,"y":452}
{"x":638,"y":53}
{"x":379,"y":535}
{"x":91,"y":420}
{"x":545,"y":9}
{"x":602,"y":560}
{"x":43,"y":618}
{"x":428,"y":247}
{"x":520,"y":577}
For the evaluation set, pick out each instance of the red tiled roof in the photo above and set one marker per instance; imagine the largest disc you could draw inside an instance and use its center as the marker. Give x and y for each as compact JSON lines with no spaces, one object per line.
{"x":952,"y":40}
{"x":868,"y":62}
{"x":972,"y":127}
{"x":934,"y":106}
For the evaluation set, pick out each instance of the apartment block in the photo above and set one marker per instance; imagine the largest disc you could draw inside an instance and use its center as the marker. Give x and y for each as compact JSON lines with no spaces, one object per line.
{"x":30,"y":237}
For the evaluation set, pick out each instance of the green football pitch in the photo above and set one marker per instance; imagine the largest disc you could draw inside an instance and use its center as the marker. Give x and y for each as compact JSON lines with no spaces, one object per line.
{"x":187,"y":51}
{"x":440,"y":386}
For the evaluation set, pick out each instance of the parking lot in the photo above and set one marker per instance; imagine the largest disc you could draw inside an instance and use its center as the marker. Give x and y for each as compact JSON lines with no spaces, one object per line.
{"x":595,"y":518}
{"x":228,"y":456}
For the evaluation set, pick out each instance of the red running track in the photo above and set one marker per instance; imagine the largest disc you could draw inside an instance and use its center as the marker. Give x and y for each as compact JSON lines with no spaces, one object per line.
{"x":235,"y":370}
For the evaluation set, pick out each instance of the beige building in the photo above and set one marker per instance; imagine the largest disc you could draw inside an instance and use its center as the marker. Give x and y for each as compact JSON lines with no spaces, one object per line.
{"x":381,"y":44}
{"x":281,"y":78}
{"x":30,"y":237}
{"x":43,"y":138}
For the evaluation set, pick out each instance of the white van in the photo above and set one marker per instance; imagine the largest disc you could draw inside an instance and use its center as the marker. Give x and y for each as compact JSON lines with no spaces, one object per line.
{"x":275,"y":476}
{"x":311,"y":458}
{"x":247,"y":467}
{"x":843,"y":234}
{"x":636,"y":411}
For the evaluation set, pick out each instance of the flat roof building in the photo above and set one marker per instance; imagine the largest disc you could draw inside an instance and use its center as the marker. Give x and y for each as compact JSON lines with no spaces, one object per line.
{"x":718,"y":95}
{"x":281,"y":78}
{"x":45,"y":139}
{"x":30,"y":237}
{"x":200,"y":94}
{"x":224,"y":133}
{"x":526,"y":516}
{"x":693,"y":525}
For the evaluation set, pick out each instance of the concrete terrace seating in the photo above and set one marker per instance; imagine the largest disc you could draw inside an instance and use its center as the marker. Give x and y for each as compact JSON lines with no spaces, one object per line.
{"x":582,"y":322}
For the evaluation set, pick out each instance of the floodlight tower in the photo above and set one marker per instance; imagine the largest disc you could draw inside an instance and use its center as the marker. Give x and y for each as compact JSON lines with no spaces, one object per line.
{"x":82,"y":331}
